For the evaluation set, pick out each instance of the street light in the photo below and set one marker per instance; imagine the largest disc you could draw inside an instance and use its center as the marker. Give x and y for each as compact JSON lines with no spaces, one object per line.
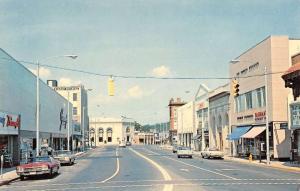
{"x":38,"y":98}
{"x":83,"y":122}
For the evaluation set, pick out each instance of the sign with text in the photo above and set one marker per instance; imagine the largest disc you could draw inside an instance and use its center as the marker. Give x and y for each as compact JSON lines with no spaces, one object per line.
{"x":9,"y":124}
{"x":260,"y":116}
{"x":295,"y":115}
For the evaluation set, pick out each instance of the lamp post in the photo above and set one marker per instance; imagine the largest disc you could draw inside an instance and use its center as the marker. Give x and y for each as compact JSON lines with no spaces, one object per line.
{"x":38,"y":98}
{"x":83,"y":122}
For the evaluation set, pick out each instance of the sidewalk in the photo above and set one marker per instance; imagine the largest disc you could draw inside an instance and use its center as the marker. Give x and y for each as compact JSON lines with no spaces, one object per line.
{"x":9,"y":174}
{"x":273,"y":164}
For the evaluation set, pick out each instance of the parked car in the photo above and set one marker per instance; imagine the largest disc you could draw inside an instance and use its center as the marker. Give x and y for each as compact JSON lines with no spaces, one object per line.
{"x":212,"y":153}
{"x":122,"y":145}
{"x":128,"y":143}
{"x":184,"y":152}
{"x":64,"y":157}
{"x":39,"y":166}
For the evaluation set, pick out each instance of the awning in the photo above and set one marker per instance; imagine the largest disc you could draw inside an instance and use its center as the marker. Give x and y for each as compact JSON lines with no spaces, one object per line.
{"x":254,"y":132}
{"x":238,"y":132}
{"x":292,"y":72}
{"x":196,"y":137}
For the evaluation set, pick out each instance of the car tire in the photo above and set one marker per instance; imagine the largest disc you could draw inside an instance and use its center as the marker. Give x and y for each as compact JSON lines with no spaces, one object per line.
{"x":179,"y":156}
{"x":22,"y":178}
{"x":202,"y":156}
{"x":191,"y":157}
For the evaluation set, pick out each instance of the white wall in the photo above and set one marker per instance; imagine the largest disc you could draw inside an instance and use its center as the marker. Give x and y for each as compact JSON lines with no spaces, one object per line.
{"x":18,"y":96}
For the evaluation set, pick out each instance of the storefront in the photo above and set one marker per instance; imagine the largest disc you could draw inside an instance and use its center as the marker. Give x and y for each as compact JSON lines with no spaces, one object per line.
{"x":9,"y":137}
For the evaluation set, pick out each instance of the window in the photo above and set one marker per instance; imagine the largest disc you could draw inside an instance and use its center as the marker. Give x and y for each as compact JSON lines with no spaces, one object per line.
{"x":109,"y":135}
{"x":74,"y":96}
{"x":249,"y":100}
{"x":75,"y":111}
{"x":100,"y":134}
{"x":253,"y":67}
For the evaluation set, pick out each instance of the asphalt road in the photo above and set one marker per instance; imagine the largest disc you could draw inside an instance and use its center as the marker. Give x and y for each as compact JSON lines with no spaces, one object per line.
{"x":150,"y":168}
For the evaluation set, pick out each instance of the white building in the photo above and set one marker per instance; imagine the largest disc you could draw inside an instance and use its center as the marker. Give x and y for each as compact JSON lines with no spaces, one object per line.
{"x":77,"y":95}
{"x":186,"y":123}
{"x":110,"y":131}
{"x":18,"y":111}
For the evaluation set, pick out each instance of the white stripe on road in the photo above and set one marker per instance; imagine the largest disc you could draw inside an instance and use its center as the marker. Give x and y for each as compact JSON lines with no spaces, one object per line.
{"x":194,"y":166}
{"x":117,"y":169}
{"x":168,"y":187}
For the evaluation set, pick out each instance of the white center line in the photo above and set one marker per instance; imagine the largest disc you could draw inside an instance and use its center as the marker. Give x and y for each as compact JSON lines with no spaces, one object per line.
{"x":117,"y":170}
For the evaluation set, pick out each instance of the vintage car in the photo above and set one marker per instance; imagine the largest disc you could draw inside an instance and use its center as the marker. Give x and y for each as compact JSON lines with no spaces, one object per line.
{"x":128,"y":143}
{"x":184,"y":152}
{"x":212,"y":153}
{"x":122,"y":145}
{"x":64,"y":157}
{"x":43,"y":165}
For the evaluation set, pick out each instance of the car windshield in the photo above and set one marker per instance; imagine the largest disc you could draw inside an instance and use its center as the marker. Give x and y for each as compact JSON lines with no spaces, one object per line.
{"x":42,"y":159}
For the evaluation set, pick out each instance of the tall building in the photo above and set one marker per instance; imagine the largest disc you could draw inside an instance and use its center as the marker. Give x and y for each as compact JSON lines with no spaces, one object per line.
{"x":77,"y":95}
{"x":173,"y":105}
{"x":261,"y":98}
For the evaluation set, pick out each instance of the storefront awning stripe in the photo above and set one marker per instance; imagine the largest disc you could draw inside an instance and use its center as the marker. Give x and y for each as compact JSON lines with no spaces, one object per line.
{"x":238,"y":132}
{"x":255,"y":131}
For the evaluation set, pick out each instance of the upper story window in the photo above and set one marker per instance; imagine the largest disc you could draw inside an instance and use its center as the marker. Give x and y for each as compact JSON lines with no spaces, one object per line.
{"x":75,"y":111}
{"x":244,"y":72}
{"x":253,"y":67}
{"x":74,"y":96}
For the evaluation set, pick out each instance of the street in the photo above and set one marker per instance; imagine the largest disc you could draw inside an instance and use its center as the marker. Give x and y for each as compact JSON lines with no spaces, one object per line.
{"x":151,"y":168}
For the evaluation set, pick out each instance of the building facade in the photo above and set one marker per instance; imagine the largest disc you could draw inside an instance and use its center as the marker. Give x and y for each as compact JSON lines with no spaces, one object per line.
{"x":292,"y":80}
{"x":110,"y":131}
{"x":201,"y":134}
{"x":18,"y":111}
{"x":78,"y":96}
{"x":249,"y":110}
{"x":186,"y":124}
{"x":173,"y":105}
{"x":219,"y":118}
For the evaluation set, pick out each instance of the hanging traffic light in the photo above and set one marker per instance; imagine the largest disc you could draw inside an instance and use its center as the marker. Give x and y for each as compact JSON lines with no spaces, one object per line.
{"x":235,"y":87}
{"x":111,"y":86}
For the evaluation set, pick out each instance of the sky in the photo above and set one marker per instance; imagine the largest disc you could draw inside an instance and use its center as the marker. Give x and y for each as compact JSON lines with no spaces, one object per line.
{"x":162,"y":38}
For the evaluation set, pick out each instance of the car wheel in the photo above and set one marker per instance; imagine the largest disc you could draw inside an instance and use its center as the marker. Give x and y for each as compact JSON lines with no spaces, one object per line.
{"x":191,"y":156}
{"x":202,"y":156}
{"x":22,"y":178}
{"x":178,"y":156}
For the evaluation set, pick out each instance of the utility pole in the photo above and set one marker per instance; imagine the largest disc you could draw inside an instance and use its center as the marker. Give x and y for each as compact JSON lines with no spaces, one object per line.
{"x":267,"y":118}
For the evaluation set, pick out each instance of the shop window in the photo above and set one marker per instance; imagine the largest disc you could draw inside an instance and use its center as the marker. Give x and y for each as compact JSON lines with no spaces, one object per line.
{"x":101,"y":139}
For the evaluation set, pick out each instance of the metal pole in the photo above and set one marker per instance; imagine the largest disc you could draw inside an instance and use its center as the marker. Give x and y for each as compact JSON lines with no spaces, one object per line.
{"x":68,"y":139}
{"x":37,"y":108}
{"x":83,"y":128}
{"x":202,"y":131}
{"x":267,"y":118}
{"x":2,"y":160}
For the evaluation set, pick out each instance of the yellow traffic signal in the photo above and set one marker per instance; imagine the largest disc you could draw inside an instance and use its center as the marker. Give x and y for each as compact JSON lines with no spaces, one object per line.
{"x":235,"y":87}
{"x":111,"y":86}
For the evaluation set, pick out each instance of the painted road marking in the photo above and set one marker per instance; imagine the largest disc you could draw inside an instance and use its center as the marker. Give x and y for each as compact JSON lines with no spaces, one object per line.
{"x":176,"y":181}
{"x":117,"y":169}
{"x":168,"y":187}
{"x":156,"y":185}
{"x":195,"y":166}
{"x":185,"y":170}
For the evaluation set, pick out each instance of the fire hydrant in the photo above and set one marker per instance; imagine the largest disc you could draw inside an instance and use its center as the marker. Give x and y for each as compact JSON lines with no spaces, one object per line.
{"x":250,"y":158}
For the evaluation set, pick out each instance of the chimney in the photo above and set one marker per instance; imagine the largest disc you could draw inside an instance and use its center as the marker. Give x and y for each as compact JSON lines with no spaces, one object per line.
{"x":52,"y":83}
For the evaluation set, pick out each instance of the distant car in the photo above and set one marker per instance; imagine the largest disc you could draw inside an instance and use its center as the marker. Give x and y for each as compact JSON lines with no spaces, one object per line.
{"x":212,"y":153}
{"x":128,"y":143}
{"x":64,"y":157}
{"x":39,"y":166}
{"x":122,"y":145}
{"x":184,"y":152}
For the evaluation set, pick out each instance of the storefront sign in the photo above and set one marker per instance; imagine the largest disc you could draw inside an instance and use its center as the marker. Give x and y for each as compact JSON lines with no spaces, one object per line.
{"x":260,"y":116}
{"x":9,"y":123}
{"x":295,"y":115}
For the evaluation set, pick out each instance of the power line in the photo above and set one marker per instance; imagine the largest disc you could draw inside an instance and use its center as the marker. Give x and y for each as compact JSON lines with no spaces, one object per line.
{"x":144,"y":77}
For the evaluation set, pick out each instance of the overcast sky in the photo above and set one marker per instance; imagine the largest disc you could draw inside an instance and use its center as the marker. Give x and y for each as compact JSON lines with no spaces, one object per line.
{"x":165,"y":38}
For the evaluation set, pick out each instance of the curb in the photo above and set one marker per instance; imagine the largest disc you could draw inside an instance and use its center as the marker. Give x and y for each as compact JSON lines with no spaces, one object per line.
{"x":5,"y":182}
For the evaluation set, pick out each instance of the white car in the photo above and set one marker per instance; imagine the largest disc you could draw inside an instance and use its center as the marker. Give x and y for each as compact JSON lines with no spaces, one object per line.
{"x":212,"y":153}
{"x":122,"y":145}
{"x":184,"y":152}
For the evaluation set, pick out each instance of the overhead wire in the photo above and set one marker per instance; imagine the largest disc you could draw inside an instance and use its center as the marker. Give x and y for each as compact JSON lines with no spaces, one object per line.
{"x":144,"y":77}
